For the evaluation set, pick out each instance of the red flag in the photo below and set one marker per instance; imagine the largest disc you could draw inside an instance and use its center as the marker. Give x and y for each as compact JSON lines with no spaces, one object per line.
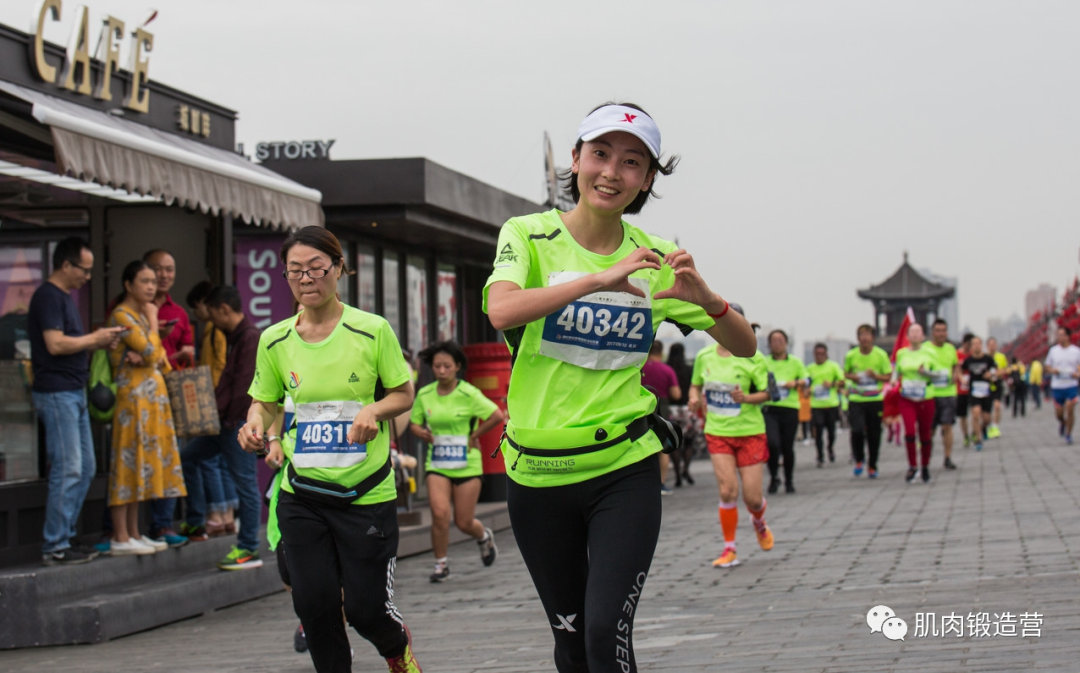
{"x":901,"y":336}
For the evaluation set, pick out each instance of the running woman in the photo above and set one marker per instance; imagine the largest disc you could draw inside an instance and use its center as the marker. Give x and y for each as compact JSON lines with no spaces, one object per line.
{"x":963,"y":387}
{"x":782,"y":414}
{"x":336,"y":509}
{"x":1063,"y":364}
{"x":451,"y":415}
{"x":579,"y":296}
{"x":826,"y":380}
{"x":944,"y":390}
{"x":867,"y":367}
{"x":915,"y":365}
{"x":980,"y":369}
{"x":733,"y":390}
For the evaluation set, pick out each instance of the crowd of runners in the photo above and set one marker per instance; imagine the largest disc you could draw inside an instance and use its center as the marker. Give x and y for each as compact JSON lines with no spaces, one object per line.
{"x":578,"y":296}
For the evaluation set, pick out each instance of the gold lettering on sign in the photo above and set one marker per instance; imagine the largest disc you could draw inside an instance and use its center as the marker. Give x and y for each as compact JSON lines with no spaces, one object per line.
{"x":205,"y":125}
{"x":139,"y":96}
{"x":41,"y":66}
{"x":182,"y":117}
{"x":78,"y":53}
{"x":108,"y":52}
{"x":196,"y":122}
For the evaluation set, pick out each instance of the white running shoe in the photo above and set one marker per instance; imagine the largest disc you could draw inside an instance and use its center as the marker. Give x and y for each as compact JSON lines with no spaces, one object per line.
{"x":132,"y":547}
{"x":157,"y":545}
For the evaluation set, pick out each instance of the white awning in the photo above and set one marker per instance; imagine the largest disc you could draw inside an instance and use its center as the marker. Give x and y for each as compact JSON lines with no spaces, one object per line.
{"x":117,"y":152}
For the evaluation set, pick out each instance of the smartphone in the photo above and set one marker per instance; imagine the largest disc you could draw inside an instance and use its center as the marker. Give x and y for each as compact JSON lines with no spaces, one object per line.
{"x":170,"y":323}
{"x":123,"y":332}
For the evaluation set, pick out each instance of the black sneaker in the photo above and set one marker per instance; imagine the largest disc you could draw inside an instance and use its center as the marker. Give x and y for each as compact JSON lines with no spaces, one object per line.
{"x":926,"y":475}
{"x":442,"y":572}
{"x":912,"y":473}
{"x":832,"y":456}
{"x":65,"y":557}
{"x":90,"y":550}
{"x":949,"y":465}
{"x":774,"y":486}
{"x":789,"y":487}
{"x":488,"y":550}
{"x":299,"y":640}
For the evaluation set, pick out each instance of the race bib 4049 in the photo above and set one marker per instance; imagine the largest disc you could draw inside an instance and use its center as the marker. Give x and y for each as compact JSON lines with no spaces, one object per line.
{"x":322,"y":430}
{"x":602,"y":330}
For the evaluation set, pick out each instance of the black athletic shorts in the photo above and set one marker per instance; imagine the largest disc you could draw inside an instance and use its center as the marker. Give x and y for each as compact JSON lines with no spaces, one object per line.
{"x":945,"y":410}
{"x":456,"y":481}
{"x":962,"y":405}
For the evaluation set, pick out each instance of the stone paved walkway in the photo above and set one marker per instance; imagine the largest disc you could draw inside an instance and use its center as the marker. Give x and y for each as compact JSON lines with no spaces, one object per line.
{"x":999,"y":535}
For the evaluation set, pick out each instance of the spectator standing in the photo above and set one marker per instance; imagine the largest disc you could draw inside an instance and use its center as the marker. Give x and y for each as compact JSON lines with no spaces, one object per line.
{"x":1018,"y":379}
{"x":145,"y":457}
{"x":660,"y":378}
{"x":226,"y":312}
{"x":58,"y":359}
{"x":1035,"y":382}
{"x":178,"y":340}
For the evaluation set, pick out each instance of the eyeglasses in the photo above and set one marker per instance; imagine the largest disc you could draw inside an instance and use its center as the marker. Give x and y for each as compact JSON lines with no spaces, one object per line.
{"x":84,"y":269}
{"x":313,"y":274}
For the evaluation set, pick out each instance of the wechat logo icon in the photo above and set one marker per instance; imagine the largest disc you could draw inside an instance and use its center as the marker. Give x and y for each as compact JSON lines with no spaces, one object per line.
{"x":882,"y":619}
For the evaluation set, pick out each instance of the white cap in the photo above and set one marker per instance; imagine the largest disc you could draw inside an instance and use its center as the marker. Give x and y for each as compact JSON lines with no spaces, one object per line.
{"x":621,"y":118}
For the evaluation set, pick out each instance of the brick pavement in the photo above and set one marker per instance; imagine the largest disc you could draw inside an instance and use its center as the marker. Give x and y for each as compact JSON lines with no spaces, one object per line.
{"x":1001,"y":534}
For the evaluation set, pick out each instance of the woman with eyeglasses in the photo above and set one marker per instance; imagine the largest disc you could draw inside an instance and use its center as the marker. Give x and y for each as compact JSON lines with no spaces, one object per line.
{"x":337,"y":509}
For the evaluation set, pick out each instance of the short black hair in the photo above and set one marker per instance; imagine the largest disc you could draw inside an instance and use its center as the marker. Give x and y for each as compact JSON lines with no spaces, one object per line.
{"x":939,"y":321}
{"x":781,"y":333}
{"x":967,"y":338}
{"x":156,"y":251}
{"x":821,"y":346}
{"x":865,"y":327}
{"x":69,"y":250}
{"x":1067,"y":330}
{"x":657,"y":348}
{"x":569,"y":178}
{"x":451,"y":348}
{"x":199,"y":293}
{"x":226,"y":295}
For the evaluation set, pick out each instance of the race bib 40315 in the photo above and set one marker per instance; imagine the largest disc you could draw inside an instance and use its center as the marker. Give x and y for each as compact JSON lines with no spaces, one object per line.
{"x":602,"y":330}
{"x":322,"y":430}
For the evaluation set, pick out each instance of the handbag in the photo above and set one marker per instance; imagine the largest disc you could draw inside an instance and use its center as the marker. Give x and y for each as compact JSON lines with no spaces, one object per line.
{"x":194,"y":404}
{"x":101,"y":388}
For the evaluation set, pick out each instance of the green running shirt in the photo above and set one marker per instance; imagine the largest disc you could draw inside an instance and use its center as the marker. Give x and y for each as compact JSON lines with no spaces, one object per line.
{"x":718,"y":376}
{"x":914,"y":385}
{"x":867,"y":389}
{"x":947,"y":359}
{"x":577,"y":372}
{"x":827,"y":372}
{"x":450,"y":419}
{"x":338,"y":373}
{"x":788,"y":369}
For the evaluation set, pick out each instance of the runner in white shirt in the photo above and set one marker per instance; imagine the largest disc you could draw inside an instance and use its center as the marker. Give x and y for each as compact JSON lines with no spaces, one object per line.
{"x":1063,"y":363}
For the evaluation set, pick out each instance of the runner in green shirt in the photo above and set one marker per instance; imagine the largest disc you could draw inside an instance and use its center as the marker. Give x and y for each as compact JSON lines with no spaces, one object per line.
{"x":731,"y":391}
{"x":579,"y":296}
{"x":945,"y":378}
{"x":866,"y":367}
{"x":915,"y":367}
{"x":336,"y":511}
{"x":451,"y":415}
{"x":782,"y":411}
{"x":826,"y":381}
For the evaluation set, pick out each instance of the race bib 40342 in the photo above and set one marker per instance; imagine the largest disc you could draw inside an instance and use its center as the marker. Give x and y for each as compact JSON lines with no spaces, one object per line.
{"x":602,"y":330}
{"x":322,"y":430}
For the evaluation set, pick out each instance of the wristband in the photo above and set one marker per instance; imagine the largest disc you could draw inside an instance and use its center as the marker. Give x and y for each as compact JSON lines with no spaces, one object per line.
{"x":721,"y":314}
{"x":272,"y":438}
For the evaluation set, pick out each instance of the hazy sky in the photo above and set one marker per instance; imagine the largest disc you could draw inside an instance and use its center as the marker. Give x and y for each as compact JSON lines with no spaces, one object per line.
{"x":819,"y":140}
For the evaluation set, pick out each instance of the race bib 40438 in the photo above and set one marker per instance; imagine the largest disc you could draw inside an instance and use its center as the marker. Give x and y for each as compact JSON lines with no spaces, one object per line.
{"x":602,"y":330}
{"x":718,"y":399}
{"x":449,"y":452}
{"x":322,"y":430}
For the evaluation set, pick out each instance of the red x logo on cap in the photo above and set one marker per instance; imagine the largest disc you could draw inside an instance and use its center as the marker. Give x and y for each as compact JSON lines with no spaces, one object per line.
{"x":629,"y":118}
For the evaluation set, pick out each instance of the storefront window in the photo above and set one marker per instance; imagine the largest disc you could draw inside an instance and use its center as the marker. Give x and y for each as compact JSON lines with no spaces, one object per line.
{"x":21,"y":272}
{"x":391,"y":298}
{"x":416,"y":276}
{"x":448,"y":323}
{"x":365,"y":279}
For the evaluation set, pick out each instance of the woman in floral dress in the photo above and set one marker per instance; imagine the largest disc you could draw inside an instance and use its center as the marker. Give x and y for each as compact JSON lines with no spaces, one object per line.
{"x":145,"y":455}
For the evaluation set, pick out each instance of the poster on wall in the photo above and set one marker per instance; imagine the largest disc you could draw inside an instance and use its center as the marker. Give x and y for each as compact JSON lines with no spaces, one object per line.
{"x":263,"y":289}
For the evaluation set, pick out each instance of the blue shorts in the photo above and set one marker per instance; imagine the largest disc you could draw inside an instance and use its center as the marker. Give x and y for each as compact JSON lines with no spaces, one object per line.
{"x":1063,"y":395}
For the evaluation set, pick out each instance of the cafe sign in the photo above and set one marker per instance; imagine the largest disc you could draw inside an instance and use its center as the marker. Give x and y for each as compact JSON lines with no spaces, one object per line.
{"x":75,"y":74}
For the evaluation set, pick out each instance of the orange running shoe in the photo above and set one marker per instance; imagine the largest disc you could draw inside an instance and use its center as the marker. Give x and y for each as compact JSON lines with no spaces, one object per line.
{"x":727,"y":559}
{"x":764,"y":537}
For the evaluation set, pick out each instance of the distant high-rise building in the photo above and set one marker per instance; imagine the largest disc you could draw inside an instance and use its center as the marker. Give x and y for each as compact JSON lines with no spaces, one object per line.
{"x":1005,"y":330}
{"x":1039,"y":299}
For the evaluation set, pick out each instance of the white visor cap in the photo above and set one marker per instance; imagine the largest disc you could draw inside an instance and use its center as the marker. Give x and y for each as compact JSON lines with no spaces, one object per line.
{"x":621,"y":118}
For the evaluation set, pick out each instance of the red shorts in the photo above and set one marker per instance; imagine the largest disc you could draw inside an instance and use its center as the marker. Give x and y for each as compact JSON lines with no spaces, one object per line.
{"x":748,"y":451}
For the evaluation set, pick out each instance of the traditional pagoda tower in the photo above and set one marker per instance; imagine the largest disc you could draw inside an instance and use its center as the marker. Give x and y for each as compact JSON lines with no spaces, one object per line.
{"x":906,"y":287}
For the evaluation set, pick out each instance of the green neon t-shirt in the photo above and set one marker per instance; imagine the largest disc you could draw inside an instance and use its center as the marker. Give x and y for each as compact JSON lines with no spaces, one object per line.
{"x":915,"y":385}
{"x":867,"y":388}
{"x":577,"y":372}
{"x":827,"y":372}
{"x":790,"y":368}
{"x":719,"y":376}
{"x":451,"y":419}
{"x":337,"y":373}
{"x":947,"y":359}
